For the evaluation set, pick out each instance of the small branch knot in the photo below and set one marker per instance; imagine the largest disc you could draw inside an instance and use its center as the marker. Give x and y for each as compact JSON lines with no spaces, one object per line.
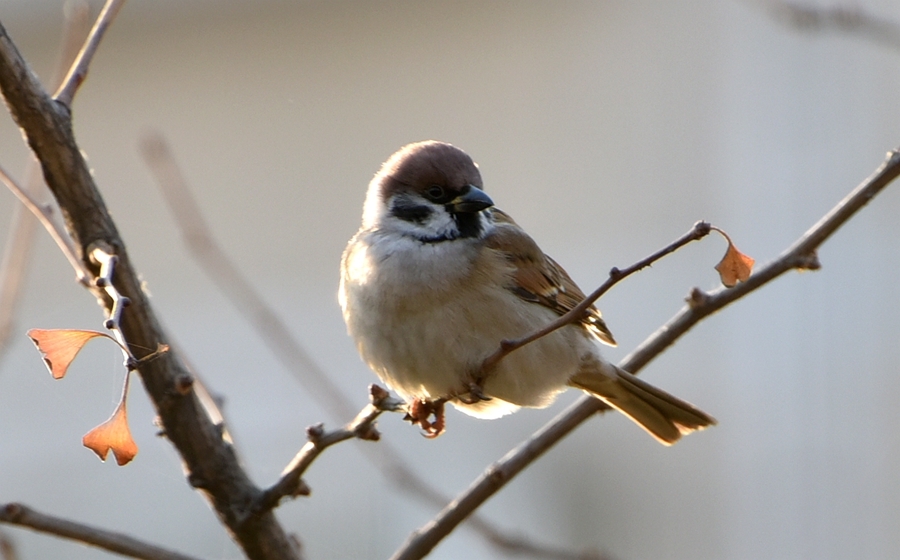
{"x":382,"y":400}
{"x":377,"y":394}
{"x":696,"y":298}
{"x":809,"y":261}
{"x":12,"y":510}
{"x":367,"y":432}
{"x":301,"y":489}
{"x":315,"y":432}
{"x":184,"y":383}
{"x":702,"y":229}
{"x":496,"y":476}
{"x":197,"y":481}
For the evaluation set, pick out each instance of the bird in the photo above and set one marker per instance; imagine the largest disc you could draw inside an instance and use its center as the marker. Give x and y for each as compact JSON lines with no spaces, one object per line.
{"x":437,"y":276}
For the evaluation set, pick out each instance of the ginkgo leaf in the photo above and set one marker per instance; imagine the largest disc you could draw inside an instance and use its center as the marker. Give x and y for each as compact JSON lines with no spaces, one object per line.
{"x":113,"y":435}
{"x":734,"y":267}
{"x":60,"y":346}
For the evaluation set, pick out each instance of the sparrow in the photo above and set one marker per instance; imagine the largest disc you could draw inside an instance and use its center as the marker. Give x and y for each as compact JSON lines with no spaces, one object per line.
{"x":437,"y":276}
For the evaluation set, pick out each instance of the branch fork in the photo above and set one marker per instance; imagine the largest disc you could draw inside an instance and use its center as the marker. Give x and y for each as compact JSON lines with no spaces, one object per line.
{"x":318,"y":439}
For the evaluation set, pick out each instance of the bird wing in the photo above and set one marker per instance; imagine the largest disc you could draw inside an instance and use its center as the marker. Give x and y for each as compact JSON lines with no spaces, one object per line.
{"x":539,"y":279}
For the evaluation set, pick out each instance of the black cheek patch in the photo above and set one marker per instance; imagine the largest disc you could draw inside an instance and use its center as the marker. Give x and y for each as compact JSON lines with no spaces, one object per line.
{"x":411,"y":212}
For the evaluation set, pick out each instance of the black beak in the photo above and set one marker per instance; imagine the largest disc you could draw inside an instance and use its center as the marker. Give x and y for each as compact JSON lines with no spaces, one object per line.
{"x":471,"y":201}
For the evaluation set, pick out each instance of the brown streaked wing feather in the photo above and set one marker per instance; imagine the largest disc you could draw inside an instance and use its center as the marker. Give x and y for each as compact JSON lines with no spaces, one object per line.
{"x":571,"y":295}
{"x":540,"y":279}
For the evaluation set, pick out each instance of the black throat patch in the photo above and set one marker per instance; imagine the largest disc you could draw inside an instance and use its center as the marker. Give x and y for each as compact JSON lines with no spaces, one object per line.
{"x":468,"y":223}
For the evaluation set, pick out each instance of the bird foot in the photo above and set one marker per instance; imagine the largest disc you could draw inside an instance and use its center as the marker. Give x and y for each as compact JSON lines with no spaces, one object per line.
{"x":420,"y":413}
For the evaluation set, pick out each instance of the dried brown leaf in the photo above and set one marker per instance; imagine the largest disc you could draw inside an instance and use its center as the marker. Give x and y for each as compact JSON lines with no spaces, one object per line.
{"x":734,"y":267}
{"x":60,"y":346}
{"x":114,"y":435}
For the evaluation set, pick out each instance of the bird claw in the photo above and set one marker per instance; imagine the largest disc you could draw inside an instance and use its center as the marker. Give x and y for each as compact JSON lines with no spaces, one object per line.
{"x":473,"y":395}
{"x":420,"y":412}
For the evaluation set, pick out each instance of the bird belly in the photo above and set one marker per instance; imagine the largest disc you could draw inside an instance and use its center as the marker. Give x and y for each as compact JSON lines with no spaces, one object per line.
{"x":426,"y":324}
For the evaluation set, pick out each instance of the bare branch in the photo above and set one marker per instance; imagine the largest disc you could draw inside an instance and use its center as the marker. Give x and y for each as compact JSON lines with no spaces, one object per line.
{"x":7,"y":548}
{"x":522,"y":546}
{"x":226,"y":275}
{"x":361,"y":427}
{"x":18,"y":514}
{"x":801,"y":255}
{"x":107,"y":261}
{"x":76,"y":26}
{"x":13,"y":267}
{"x":78,"y":72}
{"x":21,"y":229}
{"x":14,"y":264}
{"x":210,"y":461}
{"x":45,"y":216}
{"x":698,"y":231}
{"x":851,"y":20}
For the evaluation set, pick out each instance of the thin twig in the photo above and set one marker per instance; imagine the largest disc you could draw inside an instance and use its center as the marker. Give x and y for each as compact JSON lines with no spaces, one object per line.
{"x":801,"y":255}
{"x":107,"y":260}
{"x":7,"y":548}
{"x":698,"y":231}
{"x":236,"y":287}
{"x":14,"y":264}
{"x":361,"y":427}
{"x":275,"y":333}
{"x":13,"y":267}
{"x":76,"y":26}
{"x":43,"y":214}
{"x":851,"y":20}
{"x":18,"y":514}
{"x":15,"y":256}
{"x":78,"y":72}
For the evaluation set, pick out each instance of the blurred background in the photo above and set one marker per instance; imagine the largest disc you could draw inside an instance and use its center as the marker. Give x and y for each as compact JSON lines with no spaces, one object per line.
{"x":606,"y":129}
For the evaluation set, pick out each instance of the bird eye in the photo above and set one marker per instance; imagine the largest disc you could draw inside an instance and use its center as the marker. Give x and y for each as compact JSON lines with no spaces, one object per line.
{"x":435,"y":192}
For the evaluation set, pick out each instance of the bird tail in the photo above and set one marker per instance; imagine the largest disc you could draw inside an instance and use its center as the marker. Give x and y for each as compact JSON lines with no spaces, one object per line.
{"x":664,"y":416}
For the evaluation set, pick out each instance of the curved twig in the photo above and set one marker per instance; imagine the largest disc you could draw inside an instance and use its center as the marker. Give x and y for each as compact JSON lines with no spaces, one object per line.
{"x":801,"y":255}
{"x":14,"y":263}
{"x":42,"y":213}
{"x":698,"y":231}
{"x":18,"y":514}
{"x":13,"y":267}
{"x":78,"y":72}
{"x":236,"y":287}
{"x":852,"y":20}
{"x":361,"y":427}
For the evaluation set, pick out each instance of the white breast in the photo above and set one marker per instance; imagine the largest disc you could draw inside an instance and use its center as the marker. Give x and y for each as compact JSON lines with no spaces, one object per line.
{"x":424,"y":316}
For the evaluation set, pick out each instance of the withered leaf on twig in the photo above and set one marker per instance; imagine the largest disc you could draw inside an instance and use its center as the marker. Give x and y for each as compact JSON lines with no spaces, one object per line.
{"x":60,"y":346}
{"x":735,"y":266}
{"x":113,"y":435}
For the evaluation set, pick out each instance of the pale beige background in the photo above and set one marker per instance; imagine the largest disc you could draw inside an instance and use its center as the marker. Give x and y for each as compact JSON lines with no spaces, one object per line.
{"x":606,"y":129}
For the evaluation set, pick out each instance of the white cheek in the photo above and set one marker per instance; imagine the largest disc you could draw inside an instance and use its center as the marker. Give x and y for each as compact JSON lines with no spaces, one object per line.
{"x":439,"y":223}
{"x":377,"y":216}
